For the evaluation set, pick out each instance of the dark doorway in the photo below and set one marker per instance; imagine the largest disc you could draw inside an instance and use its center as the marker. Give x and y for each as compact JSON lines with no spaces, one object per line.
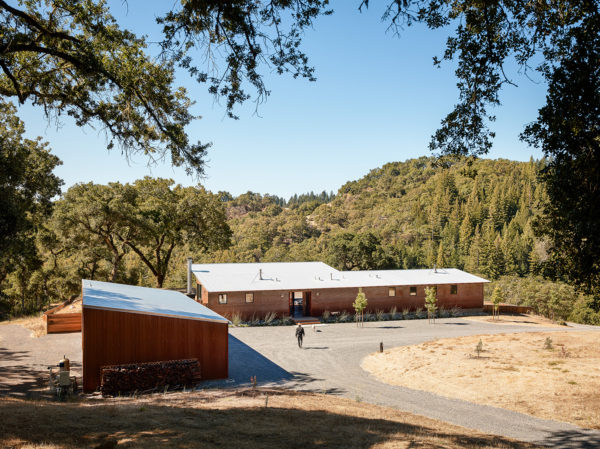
{"x":298,"y":304}
{"x":307,"y":303}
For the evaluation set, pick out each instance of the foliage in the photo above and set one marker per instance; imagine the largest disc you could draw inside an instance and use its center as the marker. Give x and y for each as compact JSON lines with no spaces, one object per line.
{"x":567,"y":130}
{"x":72,"y":57}
{"x":479,"y":348}
{"x":359,"y":305}
{"x":27,"y":186}
{"x":150,"y":218}
{"x":551,"y":299}
{"x":548,"y":343}
{"x":497,"y":298}
{"x":431,"y":302}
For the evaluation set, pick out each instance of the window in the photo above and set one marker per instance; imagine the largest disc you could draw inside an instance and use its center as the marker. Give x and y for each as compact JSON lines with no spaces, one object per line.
{"x":249,"y":297}
{"x":453,"y":289}
{"x":222,"y":298}
{"x":413,"y":291}
{"x":391,"y":291}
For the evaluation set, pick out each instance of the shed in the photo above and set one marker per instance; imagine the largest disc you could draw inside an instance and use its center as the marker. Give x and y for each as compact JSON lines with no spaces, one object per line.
{"x":128,"y":324}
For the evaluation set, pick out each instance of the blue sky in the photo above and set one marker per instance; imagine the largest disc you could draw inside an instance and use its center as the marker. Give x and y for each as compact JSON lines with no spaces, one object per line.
{"x":377,"y":99}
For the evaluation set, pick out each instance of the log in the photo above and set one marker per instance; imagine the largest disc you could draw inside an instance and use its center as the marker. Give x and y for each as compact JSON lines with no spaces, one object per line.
{"x":148,"y":377}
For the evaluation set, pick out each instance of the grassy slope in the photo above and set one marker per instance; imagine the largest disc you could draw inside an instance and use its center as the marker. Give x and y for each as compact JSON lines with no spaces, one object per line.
{"x":229,"y":418}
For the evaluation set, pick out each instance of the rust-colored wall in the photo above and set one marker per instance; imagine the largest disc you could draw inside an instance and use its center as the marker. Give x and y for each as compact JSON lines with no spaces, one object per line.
{"x":469,"y":296}
{"x":264,"y":302}
{"x":57,"y":323}
{"x":111,"y":337}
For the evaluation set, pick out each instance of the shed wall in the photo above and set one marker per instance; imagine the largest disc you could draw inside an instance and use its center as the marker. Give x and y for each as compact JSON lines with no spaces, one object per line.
{"x":114,"y":337}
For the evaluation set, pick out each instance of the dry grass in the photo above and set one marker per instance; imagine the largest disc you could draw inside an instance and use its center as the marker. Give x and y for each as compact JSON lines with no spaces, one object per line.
{"x":229,"y":418}
{"x":74,"y":307}
{"x":35,"y":324}
{"x":514,"y":372}
{"x":521,"y":320}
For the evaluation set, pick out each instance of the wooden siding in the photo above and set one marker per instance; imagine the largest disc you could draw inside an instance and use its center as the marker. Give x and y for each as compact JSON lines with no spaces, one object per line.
{"x":114,"y":337}
{"x":265,"y":301}
{"x":63,"y":322}
{"x":468,"y":296}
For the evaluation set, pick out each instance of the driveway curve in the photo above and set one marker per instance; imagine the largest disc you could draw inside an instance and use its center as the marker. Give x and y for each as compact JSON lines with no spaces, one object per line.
{"x":330,"y":363}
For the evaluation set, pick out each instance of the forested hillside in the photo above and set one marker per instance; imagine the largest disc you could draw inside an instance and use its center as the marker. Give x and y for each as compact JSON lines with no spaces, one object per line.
{"x":413,"y":214}
{"x":403,"y":215}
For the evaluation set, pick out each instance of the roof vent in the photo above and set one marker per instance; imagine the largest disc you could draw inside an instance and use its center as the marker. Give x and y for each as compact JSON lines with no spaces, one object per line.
{"x":260,"y":274}
{"x":434,"y":268}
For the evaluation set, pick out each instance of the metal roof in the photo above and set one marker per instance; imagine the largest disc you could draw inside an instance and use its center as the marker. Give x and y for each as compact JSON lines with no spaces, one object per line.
{"x":149,"y":301}
{"x":229,"y":277}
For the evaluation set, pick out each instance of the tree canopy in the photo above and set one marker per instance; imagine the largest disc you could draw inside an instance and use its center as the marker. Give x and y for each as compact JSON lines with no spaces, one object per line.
{"x":71,"y":57}
{"x":27,"y":186}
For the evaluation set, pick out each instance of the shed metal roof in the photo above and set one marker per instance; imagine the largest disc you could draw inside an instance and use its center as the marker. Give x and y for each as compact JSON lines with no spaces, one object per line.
{"x":149,"y":301}
{"x":229,"y":277}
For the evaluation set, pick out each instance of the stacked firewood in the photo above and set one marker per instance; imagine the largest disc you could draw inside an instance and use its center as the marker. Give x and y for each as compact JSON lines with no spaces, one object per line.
{"x":148,"y":377}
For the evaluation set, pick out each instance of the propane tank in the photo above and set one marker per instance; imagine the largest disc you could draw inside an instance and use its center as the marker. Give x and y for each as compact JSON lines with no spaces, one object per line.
{"x":64,"y":364}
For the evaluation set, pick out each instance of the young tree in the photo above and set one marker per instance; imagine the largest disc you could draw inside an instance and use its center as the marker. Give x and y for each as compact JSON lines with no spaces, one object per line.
{"x":497,"y":298}
{"x":431,"y":303}
{"x":360,"y":304}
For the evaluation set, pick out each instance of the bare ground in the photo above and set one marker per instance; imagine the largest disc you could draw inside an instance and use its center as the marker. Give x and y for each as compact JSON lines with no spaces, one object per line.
{"x":514,"y":372}
{"x":240,"y":418}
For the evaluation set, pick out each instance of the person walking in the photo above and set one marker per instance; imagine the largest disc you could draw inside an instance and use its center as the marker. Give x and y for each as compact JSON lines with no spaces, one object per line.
{"x":300,"y":335}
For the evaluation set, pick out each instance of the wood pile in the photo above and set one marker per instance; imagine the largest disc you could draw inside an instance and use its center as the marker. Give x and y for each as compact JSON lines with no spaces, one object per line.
{"x":148,"y":377}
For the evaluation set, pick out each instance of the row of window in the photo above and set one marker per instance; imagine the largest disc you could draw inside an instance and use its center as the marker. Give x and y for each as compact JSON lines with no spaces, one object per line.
{"x":223,"y":298}
{"x":413,"y":290}
{"x":391,"y":292}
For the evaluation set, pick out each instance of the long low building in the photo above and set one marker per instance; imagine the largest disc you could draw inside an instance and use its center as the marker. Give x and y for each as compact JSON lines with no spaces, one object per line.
{"x":310,"y":288}
{"x":124,"y":324}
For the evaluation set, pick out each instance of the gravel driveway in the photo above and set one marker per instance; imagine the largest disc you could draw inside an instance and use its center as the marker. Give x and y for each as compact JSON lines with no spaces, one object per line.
{"x":328,"y":363}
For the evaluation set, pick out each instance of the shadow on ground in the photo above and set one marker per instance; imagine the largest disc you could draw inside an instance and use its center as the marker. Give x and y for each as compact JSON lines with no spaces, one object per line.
{"x":190,"y":422}
{"x":574,"y":439}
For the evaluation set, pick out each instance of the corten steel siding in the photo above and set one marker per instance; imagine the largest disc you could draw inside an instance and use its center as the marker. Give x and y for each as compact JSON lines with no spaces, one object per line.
{"x":265,"y":301}
{"x":469,"y":296}
{"x":114,"y":337}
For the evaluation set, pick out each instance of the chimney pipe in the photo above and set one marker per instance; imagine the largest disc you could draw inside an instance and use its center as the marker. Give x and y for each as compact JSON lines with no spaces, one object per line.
{"x":189,"y":275}
{"x":260,"y":274}
{"x":434,"y":268}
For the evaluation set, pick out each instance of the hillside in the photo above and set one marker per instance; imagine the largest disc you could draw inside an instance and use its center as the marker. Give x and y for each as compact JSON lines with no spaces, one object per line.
{"x":403,"y":215}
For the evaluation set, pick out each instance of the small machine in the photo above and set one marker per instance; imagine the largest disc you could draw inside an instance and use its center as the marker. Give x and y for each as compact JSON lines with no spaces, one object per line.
{"x":61,"y":382}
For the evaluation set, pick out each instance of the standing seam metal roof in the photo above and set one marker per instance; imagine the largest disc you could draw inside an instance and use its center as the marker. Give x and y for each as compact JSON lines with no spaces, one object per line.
{"x":149,"y":301}
{"x":229,"y":277}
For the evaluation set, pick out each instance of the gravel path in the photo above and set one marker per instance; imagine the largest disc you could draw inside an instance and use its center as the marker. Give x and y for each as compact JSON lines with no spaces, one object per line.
{"x":24,"y":360}
{"x":328,"y":363}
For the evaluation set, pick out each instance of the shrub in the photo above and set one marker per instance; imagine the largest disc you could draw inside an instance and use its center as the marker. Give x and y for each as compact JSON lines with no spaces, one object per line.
{"x":326,"y":315}
{"x":455,"y":311}
{"x":479,"y":348}
{"x":269,"y":318}
{"x":406,"y":313}
{"x":419,"y":312}
{"x":343,"y":317}
{"x":286,"y":320}
{"x":255,"y":320}
{"x":394,"y":313}
{"x":379,"y":315}
{"x":548,"y":343}
{"x":236,"y":319}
